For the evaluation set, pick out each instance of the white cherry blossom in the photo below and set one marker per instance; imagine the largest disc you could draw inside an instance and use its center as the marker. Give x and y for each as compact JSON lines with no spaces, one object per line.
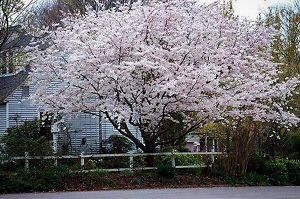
{"x":146,"y":64}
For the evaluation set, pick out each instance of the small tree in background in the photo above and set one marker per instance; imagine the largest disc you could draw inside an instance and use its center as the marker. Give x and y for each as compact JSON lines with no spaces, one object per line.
{"x":9,"y":12}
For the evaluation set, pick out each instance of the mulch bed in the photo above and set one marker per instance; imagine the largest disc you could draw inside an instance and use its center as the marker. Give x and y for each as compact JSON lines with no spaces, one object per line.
{"x":137,"y":181}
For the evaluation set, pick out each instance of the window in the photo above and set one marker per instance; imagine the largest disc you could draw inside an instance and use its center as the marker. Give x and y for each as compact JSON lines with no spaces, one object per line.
{"x":25,"y":91}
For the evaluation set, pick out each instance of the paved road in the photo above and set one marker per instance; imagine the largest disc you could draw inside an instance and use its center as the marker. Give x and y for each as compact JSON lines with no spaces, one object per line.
{"x":197,"y":193}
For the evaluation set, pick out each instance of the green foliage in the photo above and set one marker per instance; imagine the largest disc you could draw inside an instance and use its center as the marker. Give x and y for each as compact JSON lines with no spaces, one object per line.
{"x":293,"y":145}
{"x":293,"y":169}
{"x":6,"y":164}
{"x":139,"y":162}
{"x":254,"y":178}
{"x":99,"y":173}
{"x":166,"y":171}
{"x":174,"y":130}
{"x":119,"y":144}
{"x":251,"y":178}
{"x":113,"y":162}
{"x":33,"y":180}
{"x":28,"y":137}
{"x":184,"y":160}
{"x":163,"y":160}
{"x":256,"y":163}
{"x":127,"y":173}
{"x":90,"y":164}
{"x":183,"y":149}
{"x":277,"y":172}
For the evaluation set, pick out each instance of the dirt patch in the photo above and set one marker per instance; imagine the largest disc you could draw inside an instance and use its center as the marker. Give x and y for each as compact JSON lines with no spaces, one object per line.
{"x":83,"y":182}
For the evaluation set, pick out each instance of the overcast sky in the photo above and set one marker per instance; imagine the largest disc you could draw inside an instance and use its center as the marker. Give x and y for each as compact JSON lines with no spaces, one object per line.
{"x":251,"y":8}
{"x":247,"y":8}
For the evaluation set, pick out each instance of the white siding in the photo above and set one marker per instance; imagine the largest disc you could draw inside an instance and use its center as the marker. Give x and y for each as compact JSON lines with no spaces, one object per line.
{"x":2,"y":118}
{"x":20,"y":108}
{"x":82,"y":125}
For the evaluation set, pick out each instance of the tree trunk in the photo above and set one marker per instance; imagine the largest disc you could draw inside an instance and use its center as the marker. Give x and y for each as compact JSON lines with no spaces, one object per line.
{"x":240,"y":147}
{"x":149,"y":148}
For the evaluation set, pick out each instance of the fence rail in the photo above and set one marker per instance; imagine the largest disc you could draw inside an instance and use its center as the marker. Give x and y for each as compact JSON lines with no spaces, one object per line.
{"x":131,"y":156}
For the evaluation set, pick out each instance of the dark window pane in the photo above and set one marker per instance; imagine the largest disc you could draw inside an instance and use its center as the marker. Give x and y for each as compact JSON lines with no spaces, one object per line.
{"x":25,"y":91}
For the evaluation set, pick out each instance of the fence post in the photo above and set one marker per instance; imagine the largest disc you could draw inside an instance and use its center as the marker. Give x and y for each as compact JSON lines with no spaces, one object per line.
{"x":55,"y":161}
{"x":173,"y":158}
{"x":131,"y":161}
{"x":26,"y":161}
{"x":82,"y":159}
{"x":213,"y":150}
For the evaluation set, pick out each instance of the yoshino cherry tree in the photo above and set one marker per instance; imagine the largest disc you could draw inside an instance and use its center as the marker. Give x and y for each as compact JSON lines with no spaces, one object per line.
{"x":158,"y":64}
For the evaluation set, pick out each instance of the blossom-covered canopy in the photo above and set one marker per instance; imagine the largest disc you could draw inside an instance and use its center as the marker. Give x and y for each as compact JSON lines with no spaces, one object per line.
{"x":159,"y":61}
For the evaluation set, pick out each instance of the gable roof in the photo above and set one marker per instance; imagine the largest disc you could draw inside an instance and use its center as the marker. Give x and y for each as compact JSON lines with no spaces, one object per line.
{"x":9,"y":83}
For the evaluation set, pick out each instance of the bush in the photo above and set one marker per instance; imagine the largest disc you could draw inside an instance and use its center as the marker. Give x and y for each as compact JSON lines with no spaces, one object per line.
{"x":33,"y":180}
{"x":292,"y":146}
{"x":7,"y":164}
{"x":254,"y":178}
{"x":277,"y":172}
{"x":185,"y":160}
{"x":113,"y":162}
{"x":256,"y":163}
{"x":293,"y":169}
{"x":29,"y":137}
{"x":166,"y":171}
{"x":163,"y":160}
{"x":119,"y":144}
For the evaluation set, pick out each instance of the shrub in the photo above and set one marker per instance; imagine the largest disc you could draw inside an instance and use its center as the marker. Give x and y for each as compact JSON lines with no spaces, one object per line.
{"x":254,"y":178}
{"x":33,"y":180}
{"x":99,"y":173}
{"x":127,"y":173}
{"x":293,"y":169}
{"x":90,"y":164}
{"x":7,"y":164}
{"x":29,"y":137}
{"x":292,"y":146}
{"x":113,"y":162}
{"x":256,"y":163}
{"x":188,"y":160}
{"x":119,"y":144}
{"x":277,"y":172}
{"x":163,"y":160}
{"x":166,"y":171}
{"x":139,"y":162}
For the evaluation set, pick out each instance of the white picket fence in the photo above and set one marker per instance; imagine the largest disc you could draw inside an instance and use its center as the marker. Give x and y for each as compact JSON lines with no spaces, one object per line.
{"x":131,"y":156}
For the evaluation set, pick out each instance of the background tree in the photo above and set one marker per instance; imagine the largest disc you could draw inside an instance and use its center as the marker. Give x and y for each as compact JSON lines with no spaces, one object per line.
{"x":145,"y":65}
{"x":9,"y":10}
{"x":286,"y":21}
{"x":51,"y":12}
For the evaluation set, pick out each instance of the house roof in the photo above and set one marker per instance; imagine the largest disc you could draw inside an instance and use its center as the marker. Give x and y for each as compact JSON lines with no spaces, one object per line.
{"x":20,"y":41}
{"x":9,"y":83}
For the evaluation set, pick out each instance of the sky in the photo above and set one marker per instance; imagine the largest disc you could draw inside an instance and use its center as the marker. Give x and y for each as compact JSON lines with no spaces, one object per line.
{"x":246,"y":8}
{"x":251,"y":8}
